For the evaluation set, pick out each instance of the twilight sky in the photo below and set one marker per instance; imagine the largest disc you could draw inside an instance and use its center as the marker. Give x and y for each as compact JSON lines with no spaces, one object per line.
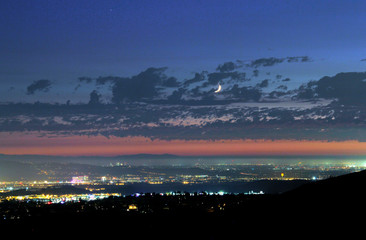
{"x":63,"y":40}
{"x":148,"y":69}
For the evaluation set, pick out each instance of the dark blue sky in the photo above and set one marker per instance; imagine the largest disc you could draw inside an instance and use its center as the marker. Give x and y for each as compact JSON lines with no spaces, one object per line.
{"x":161,"y":62}
{"x":63,"y":40}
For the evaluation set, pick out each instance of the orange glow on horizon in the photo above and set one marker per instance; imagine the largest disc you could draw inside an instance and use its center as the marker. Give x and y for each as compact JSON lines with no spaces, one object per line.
{"x":18,"y":144}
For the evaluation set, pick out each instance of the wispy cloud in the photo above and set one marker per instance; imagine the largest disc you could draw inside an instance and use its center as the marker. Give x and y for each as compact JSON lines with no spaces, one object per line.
{"x":271,"y":61}
{"x":39,"y":85}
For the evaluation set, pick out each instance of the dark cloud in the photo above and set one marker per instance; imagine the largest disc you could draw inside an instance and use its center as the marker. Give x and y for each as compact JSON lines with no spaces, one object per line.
{"x":264,"y":83}
{"x":363,"y":60}
{"x":154,"y":85}
{"x":42,"y":85}
{"x":170,"y":82}
{"x":307,"y":91}
{"x":143,"y":86}
{"x":265,"y":62}
{"x":348,"y":88}
{"x":212,"y":119}
{"x":176,"y":96}
{"x":277,"y":94}
{"x":226,"y":67}
{"x":245,"y":93}
{"x":94,"y":98}
{"x":229,"y":66}
{"x":298,"y":59}
{"x":198,"y":77}
{"x":159,"y":106}
{"x":306,"y":59}
{"x":286,"y":80}
{"x":282,"y":87}
{"x":77,"y":87}
{"x":271,"y":61}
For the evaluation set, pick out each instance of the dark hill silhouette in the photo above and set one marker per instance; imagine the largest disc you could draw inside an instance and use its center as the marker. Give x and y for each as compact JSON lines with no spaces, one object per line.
{"x":328,"y":208}
{"x":337,"y":202}
{"x":349,"y":187}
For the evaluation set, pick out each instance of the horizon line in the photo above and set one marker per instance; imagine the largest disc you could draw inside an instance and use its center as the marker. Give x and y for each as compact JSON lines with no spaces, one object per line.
{"x":189,"y":156}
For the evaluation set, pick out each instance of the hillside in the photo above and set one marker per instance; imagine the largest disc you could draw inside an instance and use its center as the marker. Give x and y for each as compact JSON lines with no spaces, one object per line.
{"x":348,"y":187}
{"x":324,"y":208}
{"x":337,"y":203}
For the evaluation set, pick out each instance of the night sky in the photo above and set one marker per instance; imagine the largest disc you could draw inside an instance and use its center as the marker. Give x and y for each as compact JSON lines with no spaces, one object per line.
{"x":113,"y":74}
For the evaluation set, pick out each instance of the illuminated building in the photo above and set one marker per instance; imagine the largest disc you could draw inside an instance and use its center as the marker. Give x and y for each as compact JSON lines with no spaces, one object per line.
{"x":80,"y":179}
{"x":132,"y":207}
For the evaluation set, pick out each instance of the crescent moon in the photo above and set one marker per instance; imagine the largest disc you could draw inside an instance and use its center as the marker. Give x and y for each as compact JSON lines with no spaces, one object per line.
{"x":219,"y":89}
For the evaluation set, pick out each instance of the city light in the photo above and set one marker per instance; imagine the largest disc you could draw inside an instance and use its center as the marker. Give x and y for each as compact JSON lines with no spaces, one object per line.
{"x":93,"y":187}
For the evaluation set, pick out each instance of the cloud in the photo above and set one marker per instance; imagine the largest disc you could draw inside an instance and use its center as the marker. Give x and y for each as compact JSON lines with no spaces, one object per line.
{"x":348,"y":88}
{"x":245,"y":93}
{"x":264,"y":83}
{"x":143,"y":86}
{"x":229,"y":66}
{"x":153,"y":84}
{"x":42,"y":85}
{"x":170,"y":82}
{"x":271,"y":61}
{"x":186,"y":121}
{"x":176,"y":96}
{"x":277,"y":94}
{"x":155,"y":105}
{"x":198,"y":77}
{"x":94,"y":98}
{"x":99,"y":81}
{"x":265,"y":62}
{"x":282,"y":87}
{"x":298,"y":59}
{"x":226,"y":67}
{"x":239,"y":114}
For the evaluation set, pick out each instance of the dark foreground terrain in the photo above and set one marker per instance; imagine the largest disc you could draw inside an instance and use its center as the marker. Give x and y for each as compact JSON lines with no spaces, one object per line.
{"x":328,"y":208}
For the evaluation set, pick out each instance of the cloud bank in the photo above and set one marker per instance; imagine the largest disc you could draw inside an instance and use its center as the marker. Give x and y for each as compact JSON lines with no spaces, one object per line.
{"x":251,"y":105}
